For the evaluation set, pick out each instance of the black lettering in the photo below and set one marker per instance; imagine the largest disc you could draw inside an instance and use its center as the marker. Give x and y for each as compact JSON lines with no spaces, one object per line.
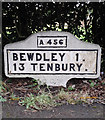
{"x":49,"y":42}
{"x":15,"y":56}
{"x":30,"y":56}
{"x":64,"y":67}
{"x":72,"y":66}
{"x":34,"y":64}
{"x":61,"y":42}
{"x":55,"y":42}
{"x":61,"y":55}
{"x":14,"y":66}
{"x":57,"y":67}
{"x":38,"y":56}
{"x":79,"y":66}
{"x":22,"y":57}
{"x":53,"y":56}
{"x":41,"y":42}
{"x":45,"y":59}
{"x":77,"y":56}
{"x":41,"y":67}
{"x":21,"y":66}
{"x":50,"y":67}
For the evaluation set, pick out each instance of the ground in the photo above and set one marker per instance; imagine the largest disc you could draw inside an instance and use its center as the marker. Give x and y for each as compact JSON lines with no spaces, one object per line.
{"x":82,"y":99}
{"x":12,"y":110}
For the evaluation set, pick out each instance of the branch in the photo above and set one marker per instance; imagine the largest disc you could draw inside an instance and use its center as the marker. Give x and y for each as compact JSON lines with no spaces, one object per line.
{"x":18,"y":32}
{"x":5,"y":36}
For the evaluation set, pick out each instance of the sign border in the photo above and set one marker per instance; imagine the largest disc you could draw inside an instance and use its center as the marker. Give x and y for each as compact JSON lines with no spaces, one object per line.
{"x":51,"y":46}
{"x":52,"y":50}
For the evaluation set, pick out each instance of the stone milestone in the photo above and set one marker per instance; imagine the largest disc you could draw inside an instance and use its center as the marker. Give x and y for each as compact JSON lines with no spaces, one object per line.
{"x":53,"y":58}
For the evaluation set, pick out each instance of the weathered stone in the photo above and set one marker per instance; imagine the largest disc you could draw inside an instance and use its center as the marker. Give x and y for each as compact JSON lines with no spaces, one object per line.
{"x":53,"y":58}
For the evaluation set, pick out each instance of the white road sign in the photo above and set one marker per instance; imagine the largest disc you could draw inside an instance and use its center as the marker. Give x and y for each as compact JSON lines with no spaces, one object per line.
{"x":52,"y":57}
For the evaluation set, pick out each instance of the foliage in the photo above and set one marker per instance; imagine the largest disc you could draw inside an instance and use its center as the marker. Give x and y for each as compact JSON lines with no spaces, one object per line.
{"x":44,"y":97}
{"x":71,"y":88}
{"x":47,"y":100}
{"x":85,"y":20}
{"x":34,"y":83}
{"x":2,"y":88}
{"x":29,"y":102}
{"x":63,"y":95}
{"x":44,"y":100}
{"x":2,"y":99}
{"x":92,"y":84}
{"x":13,"y":97}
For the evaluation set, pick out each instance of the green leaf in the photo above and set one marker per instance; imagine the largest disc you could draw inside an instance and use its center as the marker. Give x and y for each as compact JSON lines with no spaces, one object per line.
{"x":2,"y":99}
{"x":92,"y":84}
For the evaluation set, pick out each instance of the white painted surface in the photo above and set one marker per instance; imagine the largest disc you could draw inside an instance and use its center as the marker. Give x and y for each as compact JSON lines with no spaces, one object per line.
{"x":52,"y":41}
{"x":52,"y":63}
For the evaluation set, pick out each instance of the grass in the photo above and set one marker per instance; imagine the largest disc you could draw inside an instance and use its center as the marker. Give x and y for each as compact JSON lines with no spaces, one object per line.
{"x":13,"y":97}
{"x":44,"y":97}
{"x":2,"y":88}
{"x":44,"y":100}
{"x":47,"y":100}
{"x":2,"y":99}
